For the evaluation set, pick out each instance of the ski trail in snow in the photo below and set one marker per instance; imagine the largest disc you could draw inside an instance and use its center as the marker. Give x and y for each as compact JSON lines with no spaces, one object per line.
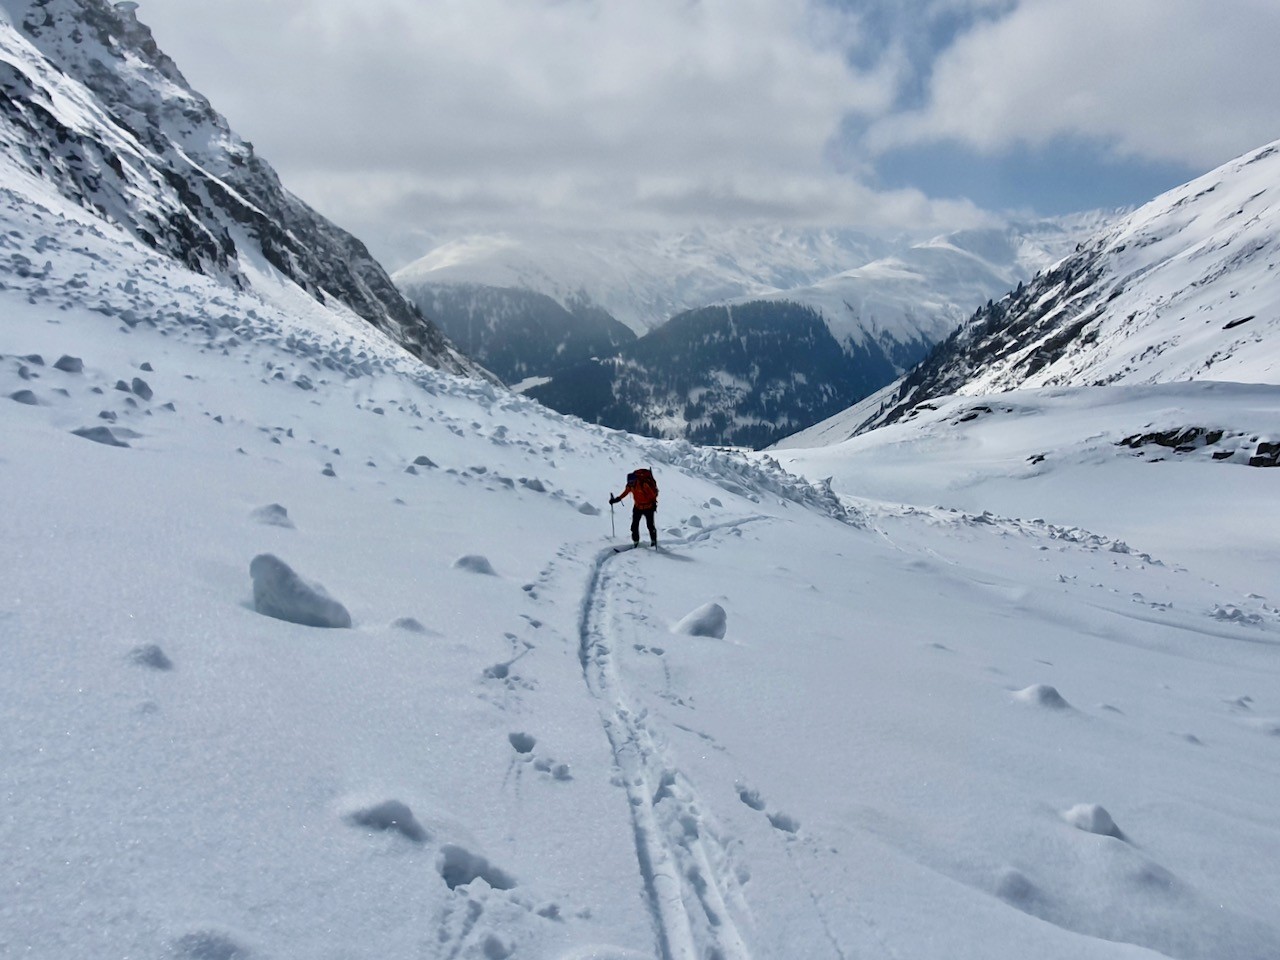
{"x":680,"y":861}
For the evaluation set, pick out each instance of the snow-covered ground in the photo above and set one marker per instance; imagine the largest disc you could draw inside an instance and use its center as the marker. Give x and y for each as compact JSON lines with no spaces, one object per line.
{"x":914,"y":732}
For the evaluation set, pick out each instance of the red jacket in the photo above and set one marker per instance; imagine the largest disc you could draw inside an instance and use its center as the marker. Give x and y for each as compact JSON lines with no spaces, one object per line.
{"x":642,"y":489}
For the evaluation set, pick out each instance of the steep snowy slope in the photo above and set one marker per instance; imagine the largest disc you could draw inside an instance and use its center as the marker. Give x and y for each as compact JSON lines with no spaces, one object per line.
{"x":90,"y":105}
{"x":1183,"y":289}
{"x":806,"y":728}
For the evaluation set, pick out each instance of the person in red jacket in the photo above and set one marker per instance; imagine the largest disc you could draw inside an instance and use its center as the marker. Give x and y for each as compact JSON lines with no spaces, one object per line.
{"x":643,"y":490}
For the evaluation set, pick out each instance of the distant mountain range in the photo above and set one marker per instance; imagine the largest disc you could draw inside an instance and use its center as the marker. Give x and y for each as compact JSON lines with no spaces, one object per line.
{"x":89,"y":104}
{"x":1184,"y":288}
{"x":754,"y":368}
{"x":641,"y":279}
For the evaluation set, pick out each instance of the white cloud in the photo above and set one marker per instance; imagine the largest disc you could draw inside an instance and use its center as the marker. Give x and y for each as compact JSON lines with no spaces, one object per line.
{"x":602,"y":111}
{"x":1183,"y":81}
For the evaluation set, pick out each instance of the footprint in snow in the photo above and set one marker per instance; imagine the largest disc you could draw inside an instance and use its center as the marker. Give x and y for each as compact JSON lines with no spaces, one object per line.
{"x":459,"y":866}
{"x":522,"y":743}
{"x":414,"y":625}
{"x":151,"y":656}
{"x":389,"y":815}
{"x":784,"y":822}
{"x":751,"y":797}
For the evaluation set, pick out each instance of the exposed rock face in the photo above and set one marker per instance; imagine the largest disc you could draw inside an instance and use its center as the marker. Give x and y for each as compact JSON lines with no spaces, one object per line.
{"x":517,"y":333}
{"x":91,"y":104}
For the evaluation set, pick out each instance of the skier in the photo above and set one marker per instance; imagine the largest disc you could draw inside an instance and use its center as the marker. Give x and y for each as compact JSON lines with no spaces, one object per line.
{"x":643,"y":490}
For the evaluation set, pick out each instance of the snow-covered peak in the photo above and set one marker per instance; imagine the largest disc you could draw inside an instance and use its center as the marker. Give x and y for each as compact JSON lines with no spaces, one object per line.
{"x":94,"y":110}
{"x":1183,"y":288}
{"x":921,"y":293}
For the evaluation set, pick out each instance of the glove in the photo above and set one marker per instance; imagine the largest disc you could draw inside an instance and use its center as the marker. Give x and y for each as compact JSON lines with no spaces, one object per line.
{"x":612,"y":501}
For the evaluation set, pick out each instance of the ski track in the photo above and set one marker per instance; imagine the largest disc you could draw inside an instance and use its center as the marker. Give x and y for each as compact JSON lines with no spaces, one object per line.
{"x":688,"y":883}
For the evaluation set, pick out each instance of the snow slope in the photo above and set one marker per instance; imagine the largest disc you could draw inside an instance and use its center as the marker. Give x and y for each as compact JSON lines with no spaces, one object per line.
{"x":923,"y":733}
{"x":1182,"y":289}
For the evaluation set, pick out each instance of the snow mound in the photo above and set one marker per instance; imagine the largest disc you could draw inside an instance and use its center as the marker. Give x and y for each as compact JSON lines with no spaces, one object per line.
{"x":279,"y":592}
{"x":709,"y":620}
{"x":273,"y":515}
{"x":1092,"y":819}
{"x":475,"y":563}
{"x":69,"y":364}
{"x":1042,"y":695}
{"x":390,"y":815}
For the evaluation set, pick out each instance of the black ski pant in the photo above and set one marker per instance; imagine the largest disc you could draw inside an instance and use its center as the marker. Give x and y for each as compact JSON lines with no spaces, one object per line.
{"x":648,"y":515}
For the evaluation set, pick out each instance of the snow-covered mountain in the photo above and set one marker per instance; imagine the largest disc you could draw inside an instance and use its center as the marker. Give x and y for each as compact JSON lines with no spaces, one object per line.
{"x":1184,"y":288}
{"x":759,"y":368}
{"x":642,"y":279}
{"x":89,"y":104}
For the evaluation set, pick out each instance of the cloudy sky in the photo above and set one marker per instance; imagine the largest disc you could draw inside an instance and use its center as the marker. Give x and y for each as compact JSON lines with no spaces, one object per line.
{"x":406,"y":120}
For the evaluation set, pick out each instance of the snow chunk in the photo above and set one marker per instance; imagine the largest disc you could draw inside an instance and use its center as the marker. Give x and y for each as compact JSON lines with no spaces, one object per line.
{"x":410,"y":624}
{"x":25,"y":396}
{"x":279,"y":592}
{"x":273,"y":515}
{"x":1042,"y":695}
{"x":588,"y":510}
{"x":709,"y":620}
{"x":475,"y":563}
{"x":390,"y":815}
{"x":100,"y":435}
{"x":1092,"y":819}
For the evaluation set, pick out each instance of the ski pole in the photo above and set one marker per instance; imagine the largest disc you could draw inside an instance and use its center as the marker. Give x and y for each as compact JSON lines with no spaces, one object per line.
{"x":613,"y":530}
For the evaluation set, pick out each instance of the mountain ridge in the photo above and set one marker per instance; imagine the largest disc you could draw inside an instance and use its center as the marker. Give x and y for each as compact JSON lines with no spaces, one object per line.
{"x":1180,"y":289}
{"x":138,"y":146}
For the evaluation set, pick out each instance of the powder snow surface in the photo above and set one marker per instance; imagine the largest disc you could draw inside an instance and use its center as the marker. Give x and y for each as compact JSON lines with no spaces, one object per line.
{"x":924,"y":733}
